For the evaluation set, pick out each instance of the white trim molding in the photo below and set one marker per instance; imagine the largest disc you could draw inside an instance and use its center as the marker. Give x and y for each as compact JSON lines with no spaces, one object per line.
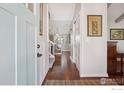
{"x":95,"y":75}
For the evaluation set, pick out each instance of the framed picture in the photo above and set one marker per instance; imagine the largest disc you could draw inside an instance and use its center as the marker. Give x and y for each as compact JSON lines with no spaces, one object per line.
{"x":116,"y":34}
{"x":41,"y":19}
{"x":94,"y":24}
{"x":31,"y":7}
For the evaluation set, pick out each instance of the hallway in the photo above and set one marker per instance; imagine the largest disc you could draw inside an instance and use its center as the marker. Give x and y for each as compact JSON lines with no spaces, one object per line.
{"x":47,"y":46}
{"x":63,"y":68}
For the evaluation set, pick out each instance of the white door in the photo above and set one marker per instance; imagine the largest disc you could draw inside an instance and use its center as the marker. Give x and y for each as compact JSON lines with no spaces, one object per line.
{"x":43,"y":41}
{"x":7,"y":48}
{"x":40,"y":62}
{"x":17,"y":45}
{"x":30,"y":53}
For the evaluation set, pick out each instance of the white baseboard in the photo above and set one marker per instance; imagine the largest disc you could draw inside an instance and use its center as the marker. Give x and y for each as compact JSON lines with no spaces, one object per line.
{"x":71,"y":59}
{"x":94,"y":75}
{"x":65,"y":50}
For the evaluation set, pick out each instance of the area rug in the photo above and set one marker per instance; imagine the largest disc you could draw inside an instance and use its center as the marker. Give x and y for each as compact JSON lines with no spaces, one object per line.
{"x":80,"y":82}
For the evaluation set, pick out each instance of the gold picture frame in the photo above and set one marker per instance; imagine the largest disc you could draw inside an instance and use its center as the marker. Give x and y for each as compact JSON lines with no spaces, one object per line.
{"x":94,"y":24}
{"x":116,"y":34}
{"x":41,"y":20}
{"x":31,"y":7}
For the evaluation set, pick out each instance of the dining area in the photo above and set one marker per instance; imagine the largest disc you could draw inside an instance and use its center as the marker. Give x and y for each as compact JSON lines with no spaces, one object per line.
{"x":115,"y":63}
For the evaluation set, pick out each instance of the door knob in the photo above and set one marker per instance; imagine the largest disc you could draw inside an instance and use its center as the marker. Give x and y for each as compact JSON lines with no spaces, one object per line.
{"x":39,"y":55}
{"x":38,"y":45}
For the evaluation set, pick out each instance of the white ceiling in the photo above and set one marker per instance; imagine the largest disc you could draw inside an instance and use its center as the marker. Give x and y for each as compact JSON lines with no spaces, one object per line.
{"x":62,"y":11}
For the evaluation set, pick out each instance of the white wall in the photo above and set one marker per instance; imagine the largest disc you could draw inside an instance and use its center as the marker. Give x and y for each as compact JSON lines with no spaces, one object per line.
{"x":76,"y":17}
{"x":114,"y":11}
{"x":93,"y":49}
{"x":73,"y":44}
{"x":60,"y":27}
{"x":46,"y":36}
{"x":77,"y":10}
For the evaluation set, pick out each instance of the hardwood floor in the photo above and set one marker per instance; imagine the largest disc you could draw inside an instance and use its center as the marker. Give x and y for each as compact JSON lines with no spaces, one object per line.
{"x":80,"y":82}
{"x":63,"y":69}
{"x":64,"y":72}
